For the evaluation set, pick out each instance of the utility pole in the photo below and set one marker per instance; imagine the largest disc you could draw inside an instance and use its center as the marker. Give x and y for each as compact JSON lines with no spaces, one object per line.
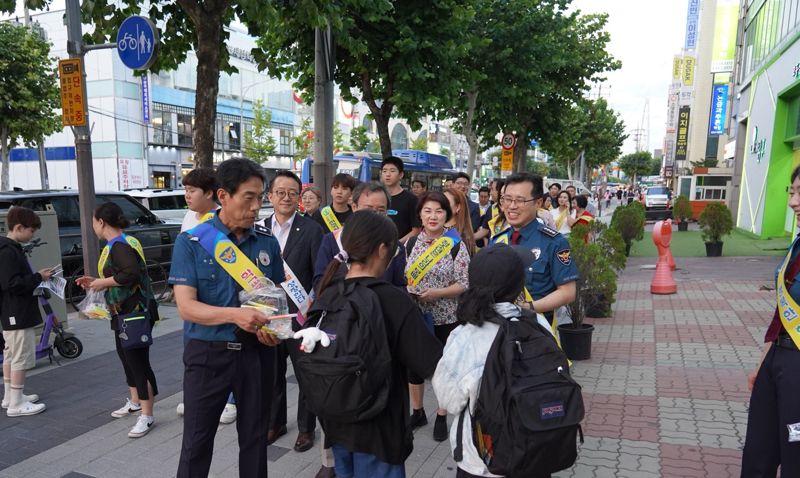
{"x":323,"y":110}
{"x":83,"y":141}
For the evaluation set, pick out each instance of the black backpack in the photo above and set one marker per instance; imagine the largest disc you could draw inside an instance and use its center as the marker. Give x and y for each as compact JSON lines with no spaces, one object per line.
{"x":529,"y":409}
{"x":349,"y":380}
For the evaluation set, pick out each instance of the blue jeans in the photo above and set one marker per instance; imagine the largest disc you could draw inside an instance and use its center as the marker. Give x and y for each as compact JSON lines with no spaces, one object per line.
{"x":363,"y":465}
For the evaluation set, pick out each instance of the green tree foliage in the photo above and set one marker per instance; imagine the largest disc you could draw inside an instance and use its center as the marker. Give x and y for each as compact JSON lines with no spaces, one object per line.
{"x":568,"y":50}
{"x":636,"y":164}
{"x":199,"y":26}
{"x":338,"y":137}
{"x":359,"y":139}
{"x":304,"y":141}
{"x":540,"y":168}
{"x":401,"y":57}
{"x":557,"y":170}
{"x":629,"y":222}
{"x":259,"y":144}
{"x":591,"y":127}
{"x":421,"y":143}
{"x":597,"y":278}
{"x":29,"y":94}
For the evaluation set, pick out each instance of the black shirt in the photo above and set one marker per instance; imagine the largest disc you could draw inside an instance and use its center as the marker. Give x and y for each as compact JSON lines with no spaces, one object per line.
{"x":17,"y":283}
{"x":413,"y":347}
{"x":403,"y":211}
{"x":340,"y":216}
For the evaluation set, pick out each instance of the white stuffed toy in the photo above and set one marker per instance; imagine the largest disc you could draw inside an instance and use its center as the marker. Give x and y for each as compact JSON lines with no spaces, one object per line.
{"x":309,"y":338}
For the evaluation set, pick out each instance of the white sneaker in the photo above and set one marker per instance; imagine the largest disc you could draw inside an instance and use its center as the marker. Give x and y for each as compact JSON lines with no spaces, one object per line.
{"x":127,"y":409}
{"x":33,"y":398}
{"x":179,"y":410}
{"x":228,"y":414}
{"x":25,"y":409}
{"x":143,"y":425}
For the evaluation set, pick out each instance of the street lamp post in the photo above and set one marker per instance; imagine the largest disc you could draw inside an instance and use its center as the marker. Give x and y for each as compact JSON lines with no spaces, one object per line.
{"x":242,"y":92}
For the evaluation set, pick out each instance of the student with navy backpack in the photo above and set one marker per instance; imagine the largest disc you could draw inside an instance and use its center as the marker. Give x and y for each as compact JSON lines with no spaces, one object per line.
{"x":503,"y":376}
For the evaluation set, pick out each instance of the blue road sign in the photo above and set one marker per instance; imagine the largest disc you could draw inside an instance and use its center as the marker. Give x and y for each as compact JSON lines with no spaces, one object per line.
{"x":137,"y":42}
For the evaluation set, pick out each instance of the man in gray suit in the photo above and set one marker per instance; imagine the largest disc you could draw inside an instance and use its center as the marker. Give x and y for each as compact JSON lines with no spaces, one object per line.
{"x":299,"y":238}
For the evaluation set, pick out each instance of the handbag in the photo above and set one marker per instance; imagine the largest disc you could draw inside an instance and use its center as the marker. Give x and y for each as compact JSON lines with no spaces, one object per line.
{"x":135,"y":329}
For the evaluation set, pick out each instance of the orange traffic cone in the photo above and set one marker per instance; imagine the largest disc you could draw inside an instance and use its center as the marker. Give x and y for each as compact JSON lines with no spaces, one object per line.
{"x":663,"y":283}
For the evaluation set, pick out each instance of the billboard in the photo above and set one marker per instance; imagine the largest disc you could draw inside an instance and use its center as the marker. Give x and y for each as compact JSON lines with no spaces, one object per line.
{"x":724,"y":48}
{"x":692,"y":17}
{"x":677,"y":67}
{"x":719,"y":106}
{"x":688,"y":70}
{"x":682,"y":139}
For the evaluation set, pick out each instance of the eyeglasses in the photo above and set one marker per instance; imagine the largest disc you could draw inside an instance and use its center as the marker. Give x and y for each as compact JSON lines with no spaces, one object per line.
{"x":514,"y":201}
{"x":282,"y":194}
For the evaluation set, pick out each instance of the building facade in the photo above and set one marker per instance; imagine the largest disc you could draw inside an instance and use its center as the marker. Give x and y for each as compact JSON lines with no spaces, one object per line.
{"x":766,"y":114}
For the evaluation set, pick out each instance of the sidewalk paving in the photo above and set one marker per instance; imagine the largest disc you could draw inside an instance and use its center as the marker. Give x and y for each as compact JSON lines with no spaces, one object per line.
{"x":665,"y":392}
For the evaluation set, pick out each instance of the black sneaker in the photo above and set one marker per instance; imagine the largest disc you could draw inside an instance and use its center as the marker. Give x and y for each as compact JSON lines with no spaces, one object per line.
{"x":418,"y":418}
{"x":440,"y":428}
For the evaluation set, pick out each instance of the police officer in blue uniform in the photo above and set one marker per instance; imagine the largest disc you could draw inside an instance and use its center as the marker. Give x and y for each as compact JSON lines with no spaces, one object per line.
{"x":226,"y":349}
{"x":551,"y":279}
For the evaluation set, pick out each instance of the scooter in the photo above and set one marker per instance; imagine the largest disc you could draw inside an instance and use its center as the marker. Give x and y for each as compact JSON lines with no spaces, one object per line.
{"x":67,"y":345}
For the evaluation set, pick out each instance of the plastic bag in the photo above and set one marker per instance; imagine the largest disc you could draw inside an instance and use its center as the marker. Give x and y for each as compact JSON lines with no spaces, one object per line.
{"x":272,"y":302}
{"x":94,"y":306}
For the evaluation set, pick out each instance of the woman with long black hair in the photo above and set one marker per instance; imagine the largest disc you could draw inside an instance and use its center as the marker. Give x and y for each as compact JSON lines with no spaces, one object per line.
{"x":378,"y":447}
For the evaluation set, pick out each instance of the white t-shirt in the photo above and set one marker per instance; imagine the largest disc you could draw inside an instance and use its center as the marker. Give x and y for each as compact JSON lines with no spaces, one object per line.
{"x":190,"y":220}
{"x":564,"y":229}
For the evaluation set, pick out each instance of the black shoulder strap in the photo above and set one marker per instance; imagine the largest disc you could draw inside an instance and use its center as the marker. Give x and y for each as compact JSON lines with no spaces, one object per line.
{"x":458,"y":452}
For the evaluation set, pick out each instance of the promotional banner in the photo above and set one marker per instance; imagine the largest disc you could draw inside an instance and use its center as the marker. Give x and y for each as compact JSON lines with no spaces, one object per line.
{"x":145,"y":100}
{"x":722,"y":53}
{"x":688,"y":70}
{"x":719,"y":106}
{"x":682,"y":139}
{"x":692,"y":16}
{"x":677,"y":67}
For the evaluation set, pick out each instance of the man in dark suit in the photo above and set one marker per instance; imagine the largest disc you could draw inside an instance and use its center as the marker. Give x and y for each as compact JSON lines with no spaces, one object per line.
{"x":299,"y":238}
{"x":461,"y":181}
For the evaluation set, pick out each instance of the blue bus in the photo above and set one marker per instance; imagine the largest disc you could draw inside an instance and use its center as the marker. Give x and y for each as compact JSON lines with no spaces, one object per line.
{"x":431,"y":168}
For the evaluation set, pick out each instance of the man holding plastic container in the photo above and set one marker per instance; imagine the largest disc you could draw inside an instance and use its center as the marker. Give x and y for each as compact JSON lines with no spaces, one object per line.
{"x":227,"y":346}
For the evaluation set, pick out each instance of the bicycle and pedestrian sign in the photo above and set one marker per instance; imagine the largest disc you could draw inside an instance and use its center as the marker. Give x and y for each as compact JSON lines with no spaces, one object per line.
{"x":73,"y":103}
{"x":137,"y":42}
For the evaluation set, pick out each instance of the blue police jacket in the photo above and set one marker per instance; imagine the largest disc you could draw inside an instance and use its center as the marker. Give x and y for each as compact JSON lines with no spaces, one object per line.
{"x":553,"y":265}
{"x":193,"y":266}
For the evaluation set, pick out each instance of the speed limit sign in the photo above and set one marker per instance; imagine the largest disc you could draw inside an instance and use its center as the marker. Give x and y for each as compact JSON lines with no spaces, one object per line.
{"x":508,"y":141}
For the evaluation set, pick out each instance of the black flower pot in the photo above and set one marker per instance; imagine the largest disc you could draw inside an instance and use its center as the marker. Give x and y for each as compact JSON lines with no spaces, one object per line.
{"x":576,"y":341}
{"x":683,"y":226}
{"x":714,"y":249}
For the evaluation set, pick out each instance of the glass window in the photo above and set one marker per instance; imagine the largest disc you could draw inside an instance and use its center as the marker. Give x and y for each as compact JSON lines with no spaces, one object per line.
{"x":399,"y":137}
{"x":162,"y":126}
{"x":185,"y":129}
{"x":367,"y":124}
{"x":135,"y":212}
{"x":285,"y":146}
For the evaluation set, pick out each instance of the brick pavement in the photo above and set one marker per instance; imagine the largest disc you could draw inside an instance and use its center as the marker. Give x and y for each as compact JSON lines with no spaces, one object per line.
{"x":664,"y":390}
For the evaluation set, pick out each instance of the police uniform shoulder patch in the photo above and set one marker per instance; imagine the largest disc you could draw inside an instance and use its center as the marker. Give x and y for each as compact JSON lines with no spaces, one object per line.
{"x":263,"y":230}
{"x":548,"y":230}
{"x":564,"y":256}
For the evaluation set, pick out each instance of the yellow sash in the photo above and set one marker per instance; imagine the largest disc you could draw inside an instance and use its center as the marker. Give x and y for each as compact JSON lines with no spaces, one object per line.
{"x":207,"y":216}
{"x":496,"y":226}
{"x":330,"y":218}
{"x":229,"y":257}
{"x":430,"y":257}
{"x":787,"y":306}
{"x":562,"y":216}
{"x":132,"y":241}
{"x":586,"y":218}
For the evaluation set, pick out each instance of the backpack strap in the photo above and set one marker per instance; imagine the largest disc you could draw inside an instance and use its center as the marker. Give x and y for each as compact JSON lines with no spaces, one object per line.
{"x":458,"y":452}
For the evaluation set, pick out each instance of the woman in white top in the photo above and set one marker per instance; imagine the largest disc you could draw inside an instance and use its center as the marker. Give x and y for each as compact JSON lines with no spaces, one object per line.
{"x":562,"y":213}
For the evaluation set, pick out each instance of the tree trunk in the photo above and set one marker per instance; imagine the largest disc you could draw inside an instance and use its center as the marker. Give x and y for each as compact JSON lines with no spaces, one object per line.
{"x":520,"y":154}
{"x":4,"y":176}
{"x":207,"y":20}
{"x":469,"y":133}
{"x":381,"y":113}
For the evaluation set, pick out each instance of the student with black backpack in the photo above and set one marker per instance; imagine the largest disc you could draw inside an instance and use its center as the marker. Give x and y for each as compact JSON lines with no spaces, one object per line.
{"x":503,"y":376}
{"x":372,"y":335}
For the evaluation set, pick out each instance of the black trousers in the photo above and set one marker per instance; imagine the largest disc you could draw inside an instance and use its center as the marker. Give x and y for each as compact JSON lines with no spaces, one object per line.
{"x":138,"y":372}
{"x":210,"y":374}
{"x":774,"y":404}
{"x":306,"y":421}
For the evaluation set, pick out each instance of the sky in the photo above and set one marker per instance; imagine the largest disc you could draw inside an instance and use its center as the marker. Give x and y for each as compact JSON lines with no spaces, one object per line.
{"x":645,"y":34}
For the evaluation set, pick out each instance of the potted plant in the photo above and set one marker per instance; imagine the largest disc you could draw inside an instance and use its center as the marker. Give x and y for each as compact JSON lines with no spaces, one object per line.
{"x":597,"y":281}
{"x":682,"y":212}
{"x":715,"y":221}
{"x":613,"y":247}
{"x":629,"y":221}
